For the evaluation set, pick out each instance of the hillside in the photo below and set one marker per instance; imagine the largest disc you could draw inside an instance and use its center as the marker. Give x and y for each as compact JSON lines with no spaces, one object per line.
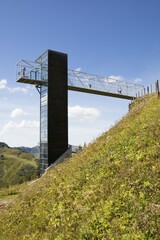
{"x":16,"y":166}
{"x":110,"y":190}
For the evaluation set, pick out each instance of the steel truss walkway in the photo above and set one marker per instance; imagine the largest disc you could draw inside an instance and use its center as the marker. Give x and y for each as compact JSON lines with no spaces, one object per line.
{"x":31,"y":73}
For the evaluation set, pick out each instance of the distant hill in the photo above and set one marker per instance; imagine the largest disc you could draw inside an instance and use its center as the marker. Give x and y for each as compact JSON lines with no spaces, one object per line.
{"x":2,"y":145}
{"x":16,"y":166}
{"x":34,"y":150}
{"x":109,"y":190}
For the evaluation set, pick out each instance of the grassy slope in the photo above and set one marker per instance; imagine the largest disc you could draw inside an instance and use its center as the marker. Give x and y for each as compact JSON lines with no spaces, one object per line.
{"x":110,"y":190}
{"x":16,"y":167}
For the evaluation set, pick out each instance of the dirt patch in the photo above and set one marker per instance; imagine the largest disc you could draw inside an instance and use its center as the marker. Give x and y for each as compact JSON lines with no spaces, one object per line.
{"x":4,"y":203}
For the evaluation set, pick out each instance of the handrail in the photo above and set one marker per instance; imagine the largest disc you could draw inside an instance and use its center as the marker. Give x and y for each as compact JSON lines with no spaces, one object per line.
{"x":34,"y":73}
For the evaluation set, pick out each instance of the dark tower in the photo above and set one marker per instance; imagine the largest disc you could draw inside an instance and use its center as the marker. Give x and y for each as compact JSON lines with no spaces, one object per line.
{"x":49,"y":74}
{"x":57,"y":105}
{"x":53,"y":108}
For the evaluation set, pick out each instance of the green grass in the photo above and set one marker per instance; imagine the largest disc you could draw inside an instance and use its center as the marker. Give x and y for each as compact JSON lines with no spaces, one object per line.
{"x":16,"y":167}
{"x":110,"y":190}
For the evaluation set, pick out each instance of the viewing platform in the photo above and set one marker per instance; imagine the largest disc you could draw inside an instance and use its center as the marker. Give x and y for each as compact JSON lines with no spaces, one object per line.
{"x":32,"y":73}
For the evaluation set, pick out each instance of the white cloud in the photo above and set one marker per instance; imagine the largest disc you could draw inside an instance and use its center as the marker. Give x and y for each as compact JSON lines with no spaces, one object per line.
{"x":18,"y":112}
{"x":17,"y":89}
{"x":78,"y":69}
{"x":3,"y":84}
{"x":11,"y":125}
{"x":85,"y":133}
{"x":138,"y":80}
{"x":83,"y":113}
{"x":115,"y":78}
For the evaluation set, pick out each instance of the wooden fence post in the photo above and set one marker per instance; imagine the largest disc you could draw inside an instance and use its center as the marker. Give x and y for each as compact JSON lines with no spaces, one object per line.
{"x":157,"y":88}
{"x":144,"y":91}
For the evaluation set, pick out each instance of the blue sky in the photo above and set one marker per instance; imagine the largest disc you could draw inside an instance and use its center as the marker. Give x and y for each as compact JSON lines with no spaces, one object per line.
{"x":104,"y":37}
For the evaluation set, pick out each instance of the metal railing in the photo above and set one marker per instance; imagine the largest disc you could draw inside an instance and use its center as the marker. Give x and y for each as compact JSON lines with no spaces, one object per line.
{"x":31,"y":70}
{"x":103,"y":84}
{"x":79,"y":80}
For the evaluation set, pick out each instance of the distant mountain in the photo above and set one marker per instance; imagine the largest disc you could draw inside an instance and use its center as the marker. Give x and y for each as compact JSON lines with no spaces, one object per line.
{"x":25,"y":149}
{"x":34,"y":150}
